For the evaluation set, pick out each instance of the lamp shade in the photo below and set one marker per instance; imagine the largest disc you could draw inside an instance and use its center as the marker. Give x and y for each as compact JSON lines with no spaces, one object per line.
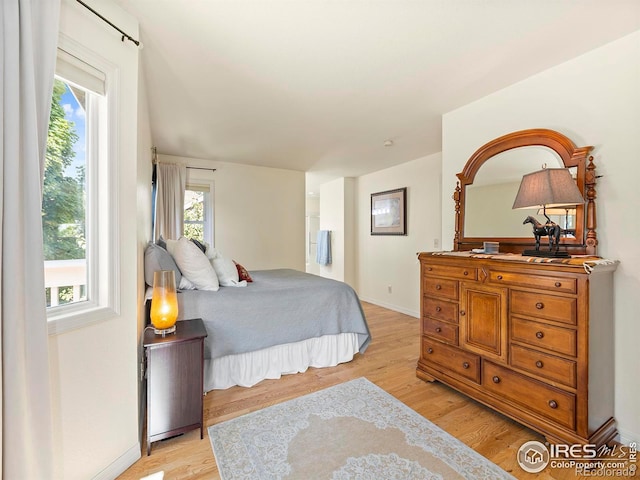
{"x":560,"y":210}
{"x":164,"y":302}
{"x":549,"y":187}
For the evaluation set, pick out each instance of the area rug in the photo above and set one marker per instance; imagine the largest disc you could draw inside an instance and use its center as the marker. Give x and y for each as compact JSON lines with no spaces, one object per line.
{"x":354,"y":430}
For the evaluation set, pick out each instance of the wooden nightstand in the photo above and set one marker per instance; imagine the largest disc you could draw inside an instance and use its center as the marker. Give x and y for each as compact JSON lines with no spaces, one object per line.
{"x":174,"y":381}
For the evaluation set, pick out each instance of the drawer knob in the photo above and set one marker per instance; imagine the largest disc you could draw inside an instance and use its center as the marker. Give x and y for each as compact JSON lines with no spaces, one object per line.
{"x":438,"y":287}
{"x":496,"y":379}
{"x":438,"y":329}
{"x":539,"y":305}
{"x":539,"y":334}
{"x":539,"y":364}
{"x":429,"y":268}
{"x":465,"y":365}
{"x":462,"y":313}
{"x":465,"y":273}
{"x":558,"y":284}
{"x":438,"y":309}
{"x":499,"y":277}
{"x":429,"y":350}
{"x":553,"y":404}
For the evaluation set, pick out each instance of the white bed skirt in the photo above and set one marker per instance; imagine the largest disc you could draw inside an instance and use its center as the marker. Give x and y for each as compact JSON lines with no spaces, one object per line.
{"x":247,"y":369}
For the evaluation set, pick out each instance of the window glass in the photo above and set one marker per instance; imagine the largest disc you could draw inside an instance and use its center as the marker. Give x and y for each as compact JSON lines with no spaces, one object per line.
{"x":64,"y":212}
{"x":198,"y":213}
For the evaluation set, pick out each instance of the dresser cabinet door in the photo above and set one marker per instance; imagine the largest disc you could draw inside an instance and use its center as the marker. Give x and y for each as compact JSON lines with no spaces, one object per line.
{"x":483,"y":320}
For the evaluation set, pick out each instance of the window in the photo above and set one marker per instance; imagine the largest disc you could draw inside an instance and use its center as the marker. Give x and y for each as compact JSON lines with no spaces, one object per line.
{"x":77,"y":218}
{"x":198,"y":213}
{"x":64,"y":214}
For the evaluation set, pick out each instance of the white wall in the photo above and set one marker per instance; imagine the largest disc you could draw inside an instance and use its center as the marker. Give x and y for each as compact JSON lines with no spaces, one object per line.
{"x":94,"y":369}
{"x":312,"y":205}
{"x":594,"y":99}
{"x":337,"y":205}
{"x":259,"y":212}
{"x":385,"y":261}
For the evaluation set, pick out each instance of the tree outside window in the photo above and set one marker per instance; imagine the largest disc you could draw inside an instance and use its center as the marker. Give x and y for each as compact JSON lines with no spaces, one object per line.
{"x":194,"y":214}
{"x":63,"y":195}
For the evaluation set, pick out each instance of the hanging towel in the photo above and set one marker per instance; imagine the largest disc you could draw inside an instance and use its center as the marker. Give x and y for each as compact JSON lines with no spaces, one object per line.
{"x":323,"y":251}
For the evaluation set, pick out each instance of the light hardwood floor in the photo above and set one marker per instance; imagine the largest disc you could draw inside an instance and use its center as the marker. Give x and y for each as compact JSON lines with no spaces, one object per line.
{"x":390,"y":363}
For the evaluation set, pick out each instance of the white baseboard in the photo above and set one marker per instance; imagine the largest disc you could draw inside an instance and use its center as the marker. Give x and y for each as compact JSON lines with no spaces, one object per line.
{"x":627,"y":437}
{"x":390,"y":306}
{"x":123,"y":462}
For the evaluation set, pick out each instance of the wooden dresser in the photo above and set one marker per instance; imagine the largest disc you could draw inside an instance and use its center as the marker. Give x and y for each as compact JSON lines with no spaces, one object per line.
{"x":534,"y":341}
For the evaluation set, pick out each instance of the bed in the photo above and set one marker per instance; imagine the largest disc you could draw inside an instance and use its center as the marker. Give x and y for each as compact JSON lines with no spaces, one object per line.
{"x":283,"y":322}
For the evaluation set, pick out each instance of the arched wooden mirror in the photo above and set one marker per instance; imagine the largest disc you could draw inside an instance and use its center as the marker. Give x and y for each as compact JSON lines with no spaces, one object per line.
{"x":489,"y":182}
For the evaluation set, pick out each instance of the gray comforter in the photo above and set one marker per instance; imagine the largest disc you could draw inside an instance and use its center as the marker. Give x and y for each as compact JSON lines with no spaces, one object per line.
{"x":278,"y":307}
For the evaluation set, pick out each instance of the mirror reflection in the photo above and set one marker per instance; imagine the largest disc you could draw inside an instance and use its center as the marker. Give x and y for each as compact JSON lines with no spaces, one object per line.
{"x":490,"y":198}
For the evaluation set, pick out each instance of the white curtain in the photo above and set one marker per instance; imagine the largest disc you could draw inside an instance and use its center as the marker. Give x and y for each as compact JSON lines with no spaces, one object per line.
{"x":29,"y":36}
{"x":171,"y":181}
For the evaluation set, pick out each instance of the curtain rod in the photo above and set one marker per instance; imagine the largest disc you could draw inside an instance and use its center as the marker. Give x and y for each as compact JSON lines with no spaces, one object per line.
{"x":124,"y":34}
{"x":154,"y":160}
{"x":193,"y":168}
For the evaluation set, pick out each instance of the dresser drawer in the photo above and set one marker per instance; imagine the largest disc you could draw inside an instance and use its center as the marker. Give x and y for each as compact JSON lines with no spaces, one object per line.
{"x":441,"y":287}
{"x":548,"y":366}
{"x":540,"y":305}
{"x":558,"y":284}
{"x":440,"y":309}
{"x":451,"y":271}
{"x":440,"y":330}
{"x":451,"y":359}
{"x":549,"y":337}
{"x":548,"y":401}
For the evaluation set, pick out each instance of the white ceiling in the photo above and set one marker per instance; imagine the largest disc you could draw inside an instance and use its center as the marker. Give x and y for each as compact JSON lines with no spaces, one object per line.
{"x":319,"y":85}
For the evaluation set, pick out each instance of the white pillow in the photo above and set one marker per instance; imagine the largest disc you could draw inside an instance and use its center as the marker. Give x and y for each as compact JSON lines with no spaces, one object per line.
{"x":185,"y":284}
{"x":194,"y":265}
{"x":211,"y":252}
{"x":171,"y":246}
{"x":226,"y":271}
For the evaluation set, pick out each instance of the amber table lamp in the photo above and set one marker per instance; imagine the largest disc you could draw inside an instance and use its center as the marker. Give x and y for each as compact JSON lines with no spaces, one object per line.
{"x":164,"y":302}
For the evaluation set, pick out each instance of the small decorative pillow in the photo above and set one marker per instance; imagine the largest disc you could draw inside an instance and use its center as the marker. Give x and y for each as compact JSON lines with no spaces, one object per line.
{"x":157,"y":258}
{"x":195,"y":265}
{"x":242,"y":273}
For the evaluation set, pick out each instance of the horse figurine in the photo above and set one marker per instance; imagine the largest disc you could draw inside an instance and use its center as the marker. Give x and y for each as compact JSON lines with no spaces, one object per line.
{"x":550,"y":229}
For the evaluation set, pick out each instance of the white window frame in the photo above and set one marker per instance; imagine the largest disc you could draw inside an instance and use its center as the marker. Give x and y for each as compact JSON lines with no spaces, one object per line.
{"x":208,"y":228}
{"x":102,"y":207}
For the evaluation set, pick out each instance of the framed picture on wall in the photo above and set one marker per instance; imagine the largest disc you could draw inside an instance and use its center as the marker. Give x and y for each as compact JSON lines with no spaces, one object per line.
{"x":389,"y":212}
